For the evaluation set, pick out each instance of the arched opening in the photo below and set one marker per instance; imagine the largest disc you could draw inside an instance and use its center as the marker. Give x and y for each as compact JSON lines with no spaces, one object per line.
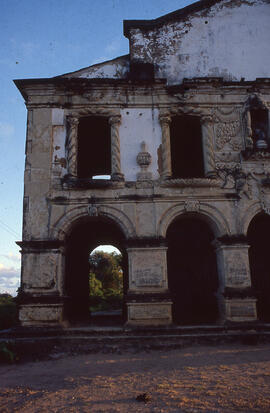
{"x":259,"y":261}
{"x":85,"y":236}
{"x":192,"y":271}
{"x":106,"y":285}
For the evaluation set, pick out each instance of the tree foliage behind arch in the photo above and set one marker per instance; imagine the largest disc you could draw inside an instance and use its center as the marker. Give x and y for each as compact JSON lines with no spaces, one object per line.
{"x":105,"y":281}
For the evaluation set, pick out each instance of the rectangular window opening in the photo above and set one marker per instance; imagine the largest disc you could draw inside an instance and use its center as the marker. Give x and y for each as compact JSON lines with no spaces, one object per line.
{"x":94,"y":148}
{"x":259,"y":127}
{"x":186,"y":147}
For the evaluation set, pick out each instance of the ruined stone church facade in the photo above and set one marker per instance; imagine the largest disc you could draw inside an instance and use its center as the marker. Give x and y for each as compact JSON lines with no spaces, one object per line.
{"x":180,"y":128}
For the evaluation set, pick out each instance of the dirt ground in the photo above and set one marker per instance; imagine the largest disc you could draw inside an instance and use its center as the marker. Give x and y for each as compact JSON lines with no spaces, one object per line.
{"x":221,"y":378}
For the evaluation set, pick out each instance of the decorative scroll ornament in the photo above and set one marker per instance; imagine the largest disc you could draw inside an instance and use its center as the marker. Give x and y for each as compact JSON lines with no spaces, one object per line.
{"x":93,"y":210}
{"x":144,"y":159}
{"x":265,"y":208}
{"x":192,"y":205}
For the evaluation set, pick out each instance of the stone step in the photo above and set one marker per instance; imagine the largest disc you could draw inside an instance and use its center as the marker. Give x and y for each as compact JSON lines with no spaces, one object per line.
{"x":29,"y":343}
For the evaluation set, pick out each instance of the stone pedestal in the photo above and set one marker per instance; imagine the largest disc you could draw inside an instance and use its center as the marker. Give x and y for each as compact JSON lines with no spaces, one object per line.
{"x":236,"y":299}
{"x":148,"y":299}
{"x":40,"y":301}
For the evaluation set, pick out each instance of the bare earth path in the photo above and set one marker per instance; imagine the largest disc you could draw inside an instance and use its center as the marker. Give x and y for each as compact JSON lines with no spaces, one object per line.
{"x":224,"y":378}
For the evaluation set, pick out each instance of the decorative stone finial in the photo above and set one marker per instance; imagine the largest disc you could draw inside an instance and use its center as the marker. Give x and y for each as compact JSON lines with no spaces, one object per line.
{"x":144,"y":159}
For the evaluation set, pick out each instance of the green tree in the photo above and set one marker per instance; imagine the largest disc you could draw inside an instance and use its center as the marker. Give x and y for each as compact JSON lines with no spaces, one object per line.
{"x":105,"y":280}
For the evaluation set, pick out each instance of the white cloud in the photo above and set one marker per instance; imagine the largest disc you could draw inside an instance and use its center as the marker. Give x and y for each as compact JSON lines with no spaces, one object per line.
{"x":6,"y":130}
{"x":9,"y":279}
{"x":15,"y":258}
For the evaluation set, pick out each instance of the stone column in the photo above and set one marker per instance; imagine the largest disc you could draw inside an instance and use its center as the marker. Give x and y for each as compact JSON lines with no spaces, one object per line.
{"x":116,"y":174}
{"x":41,"y":295}
{"x":237,"y":302}
{"x":165,"y":121}
{"x":208,"y":145}
{"x":148,"y":298}
{"x":72,"y":145}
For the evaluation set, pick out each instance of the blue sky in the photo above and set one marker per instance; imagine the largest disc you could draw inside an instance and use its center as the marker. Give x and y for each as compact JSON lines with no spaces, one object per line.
{"x":44,"y":38}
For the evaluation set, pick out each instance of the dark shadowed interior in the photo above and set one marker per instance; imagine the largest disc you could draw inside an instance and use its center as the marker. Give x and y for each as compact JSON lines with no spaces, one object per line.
{"x":186,"y":147}
{"x":94,"y":147}
{"x":259,"y":258}
{"x":192,"y":272}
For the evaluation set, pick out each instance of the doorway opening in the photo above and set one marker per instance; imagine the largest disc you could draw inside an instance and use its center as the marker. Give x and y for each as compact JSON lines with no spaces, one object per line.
{"x":106,"y":285}
{"x":192,"y":271}
{"x":259,"y":261}
{"x":96,"y":281}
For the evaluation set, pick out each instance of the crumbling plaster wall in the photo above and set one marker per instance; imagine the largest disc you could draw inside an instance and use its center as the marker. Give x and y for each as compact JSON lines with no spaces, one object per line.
{"x":229,"y":40}
{"x":114,"y":69}
{"x":139,"y":125}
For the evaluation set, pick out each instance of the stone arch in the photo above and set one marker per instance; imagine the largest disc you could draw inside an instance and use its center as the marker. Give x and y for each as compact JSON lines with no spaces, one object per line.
{"x":248,"y":215}
{"x":208,"y":213}
{"x":64,"y":224}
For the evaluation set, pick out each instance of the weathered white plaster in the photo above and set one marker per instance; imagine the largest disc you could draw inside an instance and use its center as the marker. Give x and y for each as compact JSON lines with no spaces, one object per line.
{"x":229,"y":40}
{"x":116,"y":69}
{"x":59,"y":152}
{"x":139,"y":125}
{"x":58,"y":117}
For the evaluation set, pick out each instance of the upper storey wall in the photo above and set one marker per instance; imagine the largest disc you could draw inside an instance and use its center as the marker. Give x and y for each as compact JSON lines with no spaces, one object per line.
{"x":229,"y":40}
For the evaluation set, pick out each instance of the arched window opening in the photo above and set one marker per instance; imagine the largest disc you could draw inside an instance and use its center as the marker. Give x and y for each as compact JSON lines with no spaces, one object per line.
{"x":106,"y":285}
{"x":96,"y":279}
{"x":259,"y":127}
{"x":94,"y":148}
{"x":259,"y":259}
{"x":192,"y":272}
{"x":186,"y":147}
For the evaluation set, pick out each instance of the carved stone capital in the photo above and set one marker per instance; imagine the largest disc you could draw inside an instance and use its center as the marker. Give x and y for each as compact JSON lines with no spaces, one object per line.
{"x":115,"y":120}
{"x":73,"y":121}
{"x":165,"y":119}
{"x":205,"y":119}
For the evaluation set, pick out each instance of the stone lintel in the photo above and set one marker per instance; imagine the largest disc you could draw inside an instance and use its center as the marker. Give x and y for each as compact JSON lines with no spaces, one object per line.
{"x":148,"y":297}
{"x":146,"y":242}
{"x":232,"y":239}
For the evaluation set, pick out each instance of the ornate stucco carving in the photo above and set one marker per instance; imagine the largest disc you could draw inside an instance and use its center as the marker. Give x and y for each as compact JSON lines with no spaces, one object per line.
{"x":144,"y":159}
{"x":192,"y":205}
{"x":192,"y":183}
{"x":93,"y":210}
{"x":227,"y":129}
